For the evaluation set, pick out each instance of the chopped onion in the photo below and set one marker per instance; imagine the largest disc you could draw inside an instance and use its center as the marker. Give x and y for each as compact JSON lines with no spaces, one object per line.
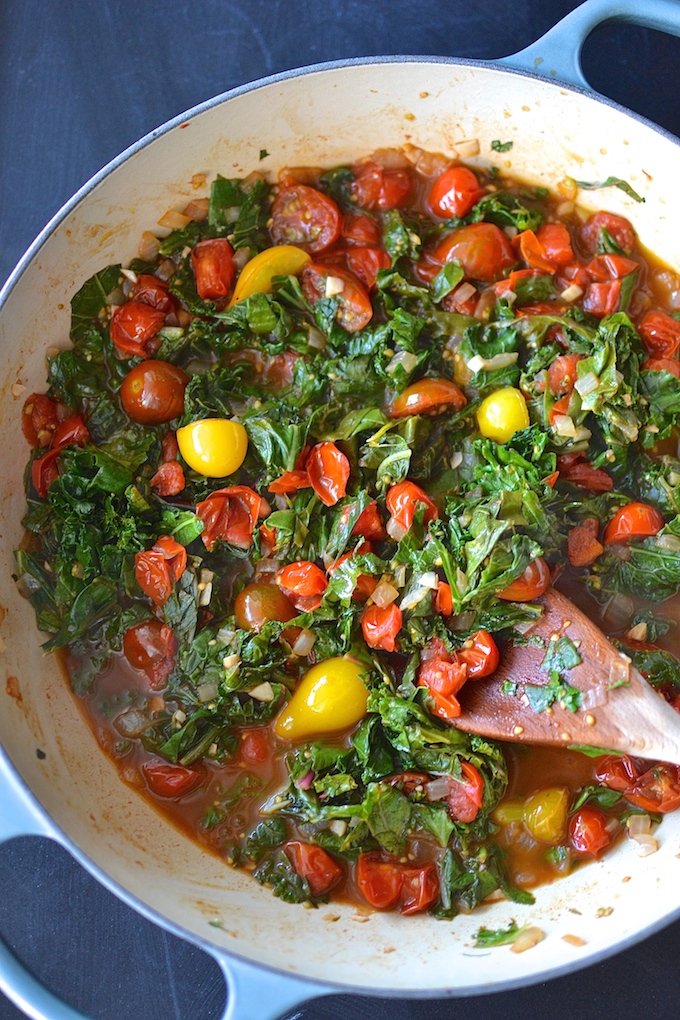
{"x":206,"y":692}
{"x":527,"y":939}
{"x":639,"y":825}
{"x":619,"y":610}
{"x":456,"y":459}
{"x":670,"y":284}
{"x":438,"y":789}
{"x":338,"y":827}
{"x":129,"y":274}
{"x":414,"y":597}
{"x":334,"y":285}
{"x":638,"y":632}
{"x":430,"y":164}
{"x":565,"y":208}
{"x":572,"y":293}
{"x":429,"y":580}
{"x":669,"y":542}
{"x":464,"y":291}
{"x":174,"y":220}
{"x":467,"y":147}
{"x":510,"y":231}
{"x":262,"y":692}
{"x":149,"y":246}
{"x":197,"y":209}
{"x":400,"y":575}
{"x":225,"y":635}
{"x":478,"y":363}
{"x":404,"y":359}
{"x":231,"y":213}
{"x":595,"y":696}
{"x":395,"y":530}
{"x":586,"y":384}
{"x":564,"y":426}
{"x":229,"y":661}
{"x":390,"y":159}
{"x":241,"y":258}
{"x":316,"y":339}
{"x":629,"y":430}
{"x":205,"y":594}
{"x":385,"y":594}
{"x":131,"y":723}
{"x":619,"y":669}
{"x":304,"y":642}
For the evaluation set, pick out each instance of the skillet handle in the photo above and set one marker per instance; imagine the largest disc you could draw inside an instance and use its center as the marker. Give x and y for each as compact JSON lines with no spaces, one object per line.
{"x":557,"y":54}
{"x":255,"y":992}
{"x":20,"y":815}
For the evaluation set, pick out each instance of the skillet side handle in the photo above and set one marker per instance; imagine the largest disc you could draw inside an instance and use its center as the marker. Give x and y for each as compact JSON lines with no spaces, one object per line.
{"x":255,"y":992}
{"x":557,"y":54}
{"x":20,"y":815}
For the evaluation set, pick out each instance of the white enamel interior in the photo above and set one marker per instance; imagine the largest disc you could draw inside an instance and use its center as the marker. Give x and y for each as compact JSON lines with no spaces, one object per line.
{"x":320,"y":118}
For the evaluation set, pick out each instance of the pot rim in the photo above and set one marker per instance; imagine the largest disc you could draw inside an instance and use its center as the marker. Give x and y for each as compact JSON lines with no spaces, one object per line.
{"x":51,"y":829}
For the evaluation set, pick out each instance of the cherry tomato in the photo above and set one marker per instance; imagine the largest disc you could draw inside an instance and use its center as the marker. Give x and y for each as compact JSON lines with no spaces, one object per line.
{"x":259,"y":603}
{"x":465,"y":795}
{"x":165,"y":780}
{"x":149,"y":290}
{"x":170,"y":446}
{"x":367,"y":262}
{"x":290,"y":481}
{"x":657,"y":790}
{"x":133,"y":326}
{"x":157,"y":569}
{"x":379,"y":880}
{"x":533,"y":252}
{"x":302,"y":578}
{"x":380,"y":626}
{"x":354,"y":305}
{"x":330,"y":697}
{"x":358,"y":228}
{"x":214,"y":447}
{"x":420,"y":888}
{"x":328,"y":470}
{"x":375,"y":188}
{"x":254,"y":745}
{"x":169,"y":480}
{"x":230,"y":515}
{"x":660,"y":333}
{"x":602,"y":298}
{"x":574,"y":467}
{"x":562,"y":374}
{"x":443,"y":676}
{"x":618,"y":773}
{"x":611,"y":267}
{"x":315,"y":865}
{"x":44,"y":470}
{"x":369,"y":524}
{"x":576,"y":272}
{"x":530,"y":584}
{"x":443,"y":602}
{"x":556,"y":243}
{"x":588,"y":831}
{"x":482,"y":249}
{"x":212,"y":261}
{"x":151,"y":647}
{"x":153,"y":392}
{"x":402,"y":500}
{"x":306,"y":218}
{"x":502,"y":413}
{"x":583,"y":545}
{"x":662,"y":365}
{"x":454,"y":193}
{"x":428,"y":396}
{"x":480,"y":655}
{"x":39,"y":419}
{"x":617,"y":226}
{"x":635,"y":520}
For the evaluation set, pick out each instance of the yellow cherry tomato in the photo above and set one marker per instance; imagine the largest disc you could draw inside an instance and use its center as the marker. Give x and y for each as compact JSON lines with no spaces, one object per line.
{"x":331,"y":696}
{"x":502,"y":413}
{"x":214,"y":447}
{"x":256,"y":276}
{"x":509,"y":811}
{"x":545,"y":814}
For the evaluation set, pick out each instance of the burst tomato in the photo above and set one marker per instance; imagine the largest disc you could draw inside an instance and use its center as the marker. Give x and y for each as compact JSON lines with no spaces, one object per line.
{"x":169,"y":781}
{"x":149,"y":290}
{"x":305,"y":217}
{"x":39,"y":419}
{"x":480,"y":655}
{"x":635,"y":520}
{"x":315,"y":865}
{"x":657,"y":790}
{"x":302,"y":578}
{"x":556,"y":243}
{"x":384,"y":882}
{"x":359,"y":228}
{"x":151,"y":647}
{"x":669,"y":365}
{"x":169,"y":480}
{"x":660,"y":333}
{"x":602,"y":298}
{"x":530,"y":584}
{"x":402,"y":501}
{"x":328,"y":471}
{"x":380,"y":626}
{"x":443,"y":602}
{"x":465,"y":794}
{"x":366,"y":262}
{"x":44,"y":470}
{"x":482,"y":249}
{"x":259,"y":603}
{"x":428,"y":396}
{"x":562,"y":374}
{"x":354,"y":305}
{"x":377,"y":189}
{"x":254,"y":745}
{"x":369,"y":524}
{"x":157,"y":569}
{"x":574,"y":467}
{"x":212,"y":261}
{"x":617,"y":227}
{"x":533,"y":252}
{"x":153,"y":392}
{"x":133,"y":327}
{"x":230,"y":515}
{"x":454,"y":193}
{"x":290,"y":481}
{"x":588,"y":831}
{"x":618,"y":773}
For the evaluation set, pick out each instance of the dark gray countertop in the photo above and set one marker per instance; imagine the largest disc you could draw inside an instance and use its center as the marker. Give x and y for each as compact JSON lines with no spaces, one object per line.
{"x":78,"y":83}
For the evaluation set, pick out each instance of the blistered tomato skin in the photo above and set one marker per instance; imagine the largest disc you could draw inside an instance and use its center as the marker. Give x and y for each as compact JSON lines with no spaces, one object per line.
{"x":503,"y":413}
{"x":214,"y":447}
{"x":153,"y":392}
{"x":330,"y":697}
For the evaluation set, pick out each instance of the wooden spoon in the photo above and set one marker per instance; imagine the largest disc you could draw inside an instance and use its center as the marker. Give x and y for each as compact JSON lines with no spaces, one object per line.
{"x":632,"y":718}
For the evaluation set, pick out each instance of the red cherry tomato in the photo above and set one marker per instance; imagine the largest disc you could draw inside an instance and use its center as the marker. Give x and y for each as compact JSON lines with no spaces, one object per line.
{"x":153,"y":392}
{"x":611,"y":267}
{"x":575,"y":272}
{"x":556,"y":243}
{"x":151,"y":647}
{"x":465,"y":795}
{"x":428,"y":396}
{"x":157,"y":569}
{"x":315,"y":865}
{"x":212,"y":261}
{"x":328,"y":470}
{"x":669,"y":365}
{"x":152,"y":291}
{"x":303,"y":578}
{"x":402,"y":500}
{"x":44,"y":470}
{"x":133,"y":326}
{"x":660,"y":334}
{"x":379,"y":880}
{"x":230,"y":515}
{"x":290,"y":481}
{"x":618,"y":773}
{"x":443,"y":676}
{"x":369,"y":524}
{"x":480,"y":655}
{"x":529,"y":585}
{"x":367,"y":262}
{"x":563,"y":373}
{"x":635,"y":520}
{"x":375,"y":188}
{"x":482,"y":249}
{"x":574,"y":467}
{"x":420,"y":888}
{"x":39,"y":419}
{"x":583,"y":545}
{"x":169,"y":480}
{"x":305,"y":217}
{"x":657,"y":790}
{"x":358,"y":228}
{"x":602,"y":298}
{"x":259,"y":603}
{"x":443,"y":602}
{"x":617,"y":226}
{"x":354,"y":305}
{"x":533,"y":252}
{"x":588,"y":831}
{"x":380,"y":626}
{"x":171,"y":781}
{"x":454,"y":193}
{"x":254,"y":744}
{"x":71,"y":432}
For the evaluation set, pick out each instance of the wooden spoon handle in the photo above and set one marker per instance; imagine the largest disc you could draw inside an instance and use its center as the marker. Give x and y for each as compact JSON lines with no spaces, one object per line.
{"x":632,"y":718}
